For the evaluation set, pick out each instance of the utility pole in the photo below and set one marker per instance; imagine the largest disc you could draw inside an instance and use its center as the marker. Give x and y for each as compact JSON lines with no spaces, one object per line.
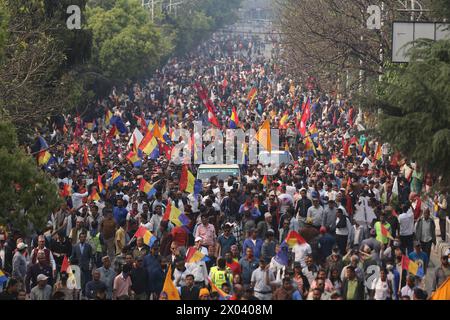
{"x":380,"y":77}
{"x":153,"y":10}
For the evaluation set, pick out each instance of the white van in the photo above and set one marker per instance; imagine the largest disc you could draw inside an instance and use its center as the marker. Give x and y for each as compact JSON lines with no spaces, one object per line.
{"x":220,"y":171}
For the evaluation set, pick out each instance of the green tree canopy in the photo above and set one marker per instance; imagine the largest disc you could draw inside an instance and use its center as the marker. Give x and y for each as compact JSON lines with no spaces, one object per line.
{"x":441,"y":9}
{"x":37,"y":74}
{"x":415,"y":108}
{"x":191,"y":30}
{"x":125,"y":42}
{"x":27,"y":195}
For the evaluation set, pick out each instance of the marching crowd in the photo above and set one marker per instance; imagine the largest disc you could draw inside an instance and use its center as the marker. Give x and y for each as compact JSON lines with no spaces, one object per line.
{"x":348,"y":219}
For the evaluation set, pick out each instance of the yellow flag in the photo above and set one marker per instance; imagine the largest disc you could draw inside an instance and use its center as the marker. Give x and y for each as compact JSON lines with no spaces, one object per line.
{"x":169,"y":288}
{"x":263,"y":136}
{"x":443,"y":292}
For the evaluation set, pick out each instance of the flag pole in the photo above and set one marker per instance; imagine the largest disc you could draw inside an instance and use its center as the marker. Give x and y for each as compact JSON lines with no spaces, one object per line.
{"x":401,"y":278}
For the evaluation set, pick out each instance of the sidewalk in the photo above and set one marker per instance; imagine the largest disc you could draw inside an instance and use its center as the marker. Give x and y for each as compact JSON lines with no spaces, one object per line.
{"x":435,"y":259}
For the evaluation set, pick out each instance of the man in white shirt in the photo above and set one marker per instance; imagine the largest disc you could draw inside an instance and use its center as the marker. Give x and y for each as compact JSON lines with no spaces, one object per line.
{"x":77,"y":199}
{"x":343,"y":229}
{"x":198,"y":269}
{"x":406,"y":221}
{"x":315,"y":212}
{"x":286,"y":200}
{"x":408,"y":290}
{"x":301,"y":251}
{"x":262,"y":281}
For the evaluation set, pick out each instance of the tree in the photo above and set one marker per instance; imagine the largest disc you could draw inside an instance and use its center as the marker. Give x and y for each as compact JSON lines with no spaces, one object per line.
{"x":415,"y":108}
{"x":441,"y":8}
{"x":4,"y":19}
{"x":125,"y":42}
{"x":27,"y":195}
{"x":191,"y":30}
{"x":199,"y":20}
{"x":329,"y":39}
{"x":41,"y":54}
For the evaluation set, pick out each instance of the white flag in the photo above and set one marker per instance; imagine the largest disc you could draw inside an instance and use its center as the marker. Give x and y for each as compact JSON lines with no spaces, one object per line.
{"x":138,"y":136}
{"x":395,"y":187}
{"x":93,"y":141}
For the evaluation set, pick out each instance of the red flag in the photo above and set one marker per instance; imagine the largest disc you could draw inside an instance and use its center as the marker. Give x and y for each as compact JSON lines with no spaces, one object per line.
{"x":65,"y":264}
{"x":166,"y":215}
{"x":113,"y":132}
{"x":85,"y":157}
{"x":100,"y":152}
{"x":350,"y":116}
{"x":142,"y":123}
{"x":203,"y":95}
{"x":307,"y":113}
{"x":213,"y":120}
{"x":78,"y":130}
{"x":184,"y":178}
{"x":334,"y":119}
{"x":294,"y":238}
{"x":301,"y":126}
{"x":224,"y":85}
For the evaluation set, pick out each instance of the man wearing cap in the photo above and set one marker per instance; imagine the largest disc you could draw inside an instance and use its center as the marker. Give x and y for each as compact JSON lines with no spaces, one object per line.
{"x":262,"y":280}
{"x":263,"y":226}
{"x":19,"y":263}
{"x":204,"y":294}
{"x":315,"y":212}
{"x":42,"y":291}
{"x":326,"y":244}
{"x":286,"y":200}
{"x":329,"y":215}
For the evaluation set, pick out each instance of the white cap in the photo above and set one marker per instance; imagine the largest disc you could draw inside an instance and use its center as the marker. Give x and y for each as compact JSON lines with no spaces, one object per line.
{"x":22,"y":246}
{"x":198,"y":239}
{"x":41,"y":277}
{"x":267,"y":215}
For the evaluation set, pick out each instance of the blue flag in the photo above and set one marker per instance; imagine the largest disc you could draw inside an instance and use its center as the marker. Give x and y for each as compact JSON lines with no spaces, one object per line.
{"x":115,"y":120}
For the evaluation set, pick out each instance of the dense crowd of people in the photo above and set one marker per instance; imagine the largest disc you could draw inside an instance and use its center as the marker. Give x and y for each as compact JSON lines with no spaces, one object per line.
{"x":339,"y":222}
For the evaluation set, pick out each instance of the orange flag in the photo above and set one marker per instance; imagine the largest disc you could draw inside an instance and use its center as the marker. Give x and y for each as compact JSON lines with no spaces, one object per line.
{"x":263,"y":136}
{"x":169,"y":288}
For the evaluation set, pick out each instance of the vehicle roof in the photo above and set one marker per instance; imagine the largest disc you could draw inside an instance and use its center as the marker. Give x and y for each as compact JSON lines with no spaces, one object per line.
{"x":217,"y":166}
{"x":275,"y":151}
